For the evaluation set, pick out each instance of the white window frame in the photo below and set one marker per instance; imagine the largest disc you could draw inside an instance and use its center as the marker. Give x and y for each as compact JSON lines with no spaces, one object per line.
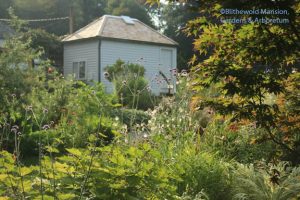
{"x":76,"y":72}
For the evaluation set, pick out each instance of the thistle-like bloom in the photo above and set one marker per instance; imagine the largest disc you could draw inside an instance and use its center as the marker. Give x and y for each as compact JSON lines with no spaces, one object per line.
{"x":106,"y":74}
{"x":14,"y":130}
{"x":184,"y":73}
{"x":46,"y":127}
{"x":29,"y":108}
{"x":45,"y":110}
{"x":148,"y":88}
{"x":16,"y":127}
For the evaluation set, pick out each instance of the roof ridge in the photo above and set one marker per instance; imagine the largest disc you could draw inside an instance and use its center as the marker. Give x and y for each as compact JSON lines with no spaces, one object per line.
{"x":86,"y":26}
{"x":98,"y":29}
{"x":102,"y":25}
{"x":118,"y":16}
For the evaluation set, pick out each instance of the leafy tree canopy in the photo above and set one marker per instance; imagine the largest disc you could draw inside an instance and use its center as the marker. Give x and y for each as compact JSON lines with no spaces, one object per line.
{"x":84,"y":11}
{"x":246,"y":63}
{"x":172,"y":19}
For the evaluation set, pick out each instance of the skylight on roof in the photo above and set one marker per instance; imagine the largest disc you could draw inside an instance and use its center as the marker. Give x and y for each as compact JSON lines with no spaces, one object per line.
{"x":127,"y":20}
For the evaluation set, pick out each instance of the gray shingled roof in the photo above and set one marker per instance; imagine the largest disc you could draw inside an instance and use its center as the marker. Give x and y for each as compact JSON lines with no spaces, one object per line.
{"x":5,"y":30}
{"x":122,"y":27}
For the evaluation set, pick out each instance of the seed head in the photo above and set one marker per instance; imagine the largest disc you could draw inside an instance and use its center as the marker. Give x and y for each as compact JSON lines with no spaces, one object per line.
{"x":148,"y":88}
{"x":184,"y":73}
{"x":14,"y":130}
{"x":106,"y":74}
{"x":29,"y":108}
{"x":16,"y":127}
{"x":45,"y":110}
{"x":46,"y":127}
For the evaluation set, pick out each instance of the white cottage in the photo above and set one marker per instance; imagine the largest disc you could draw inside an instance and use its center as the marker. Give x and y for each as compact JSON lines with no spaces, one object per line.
{"x":99,"y":44}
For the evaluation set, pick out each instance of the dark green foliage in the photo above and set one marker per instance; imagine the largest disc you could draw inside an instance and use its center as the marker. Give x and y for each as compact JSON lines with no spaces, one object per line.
{"x":85,"y":146}
{"x":33,"y":98}
{"x":265,"y":182}
{"x":50,"y":44}
{"x":131,"y":116}
{"x":246,"y":63}
{"x":85,"y":11}
{"x":207,"y":173}
{"x":238,"y":142}
{"x":132,"y":8}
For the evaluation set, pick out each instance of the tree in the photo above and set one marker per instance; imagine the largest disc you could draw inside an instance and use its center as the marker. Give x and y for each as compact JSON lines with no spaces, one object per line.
{"x":247,"y":63}
{"x":84,"y":11}
{"x":173,"y":18}
{"x":130,"y":8}
{"x":4,"y":5}
{"x":50,"y":44}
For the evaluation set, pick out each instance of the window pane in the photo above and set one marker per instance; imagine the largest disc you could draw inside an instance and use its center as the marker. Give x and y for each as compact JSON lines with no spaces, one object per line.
{"x":75,"y":69}
{"x":82,"y":70}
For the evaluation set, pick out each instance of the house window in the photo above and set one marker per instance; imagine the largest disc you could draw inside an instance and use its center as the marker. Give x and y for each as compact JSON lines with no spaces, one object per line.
{"x":79,"y":70}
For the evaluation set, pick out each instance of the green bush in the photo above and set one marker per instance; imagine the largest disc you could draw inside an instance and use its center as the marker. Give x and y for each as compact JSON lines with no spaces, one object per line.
{"x":117,"y":171}
{"x":130,"y":117}
{"x":278,"y":182}
{"x":131,"y":87}
{"x":204,"y":172}
{"x":238,"y":142}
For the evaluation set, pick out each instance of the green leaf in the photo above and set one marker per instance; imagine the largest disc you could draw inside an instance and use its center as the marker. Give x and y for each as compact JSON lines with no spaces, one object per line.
{"x":3,"y":177}
{"x":51,"y":149}
{"x":25,"y":171}
{"x":66,"y":196}
{"x":75,"y":152}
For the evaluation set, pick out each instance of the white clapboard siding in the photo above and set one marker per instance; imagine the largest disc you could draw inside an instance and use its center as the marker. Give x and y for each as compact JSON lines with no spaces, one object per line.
{"x":82,"y":51}
{"x":148,"y":55}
